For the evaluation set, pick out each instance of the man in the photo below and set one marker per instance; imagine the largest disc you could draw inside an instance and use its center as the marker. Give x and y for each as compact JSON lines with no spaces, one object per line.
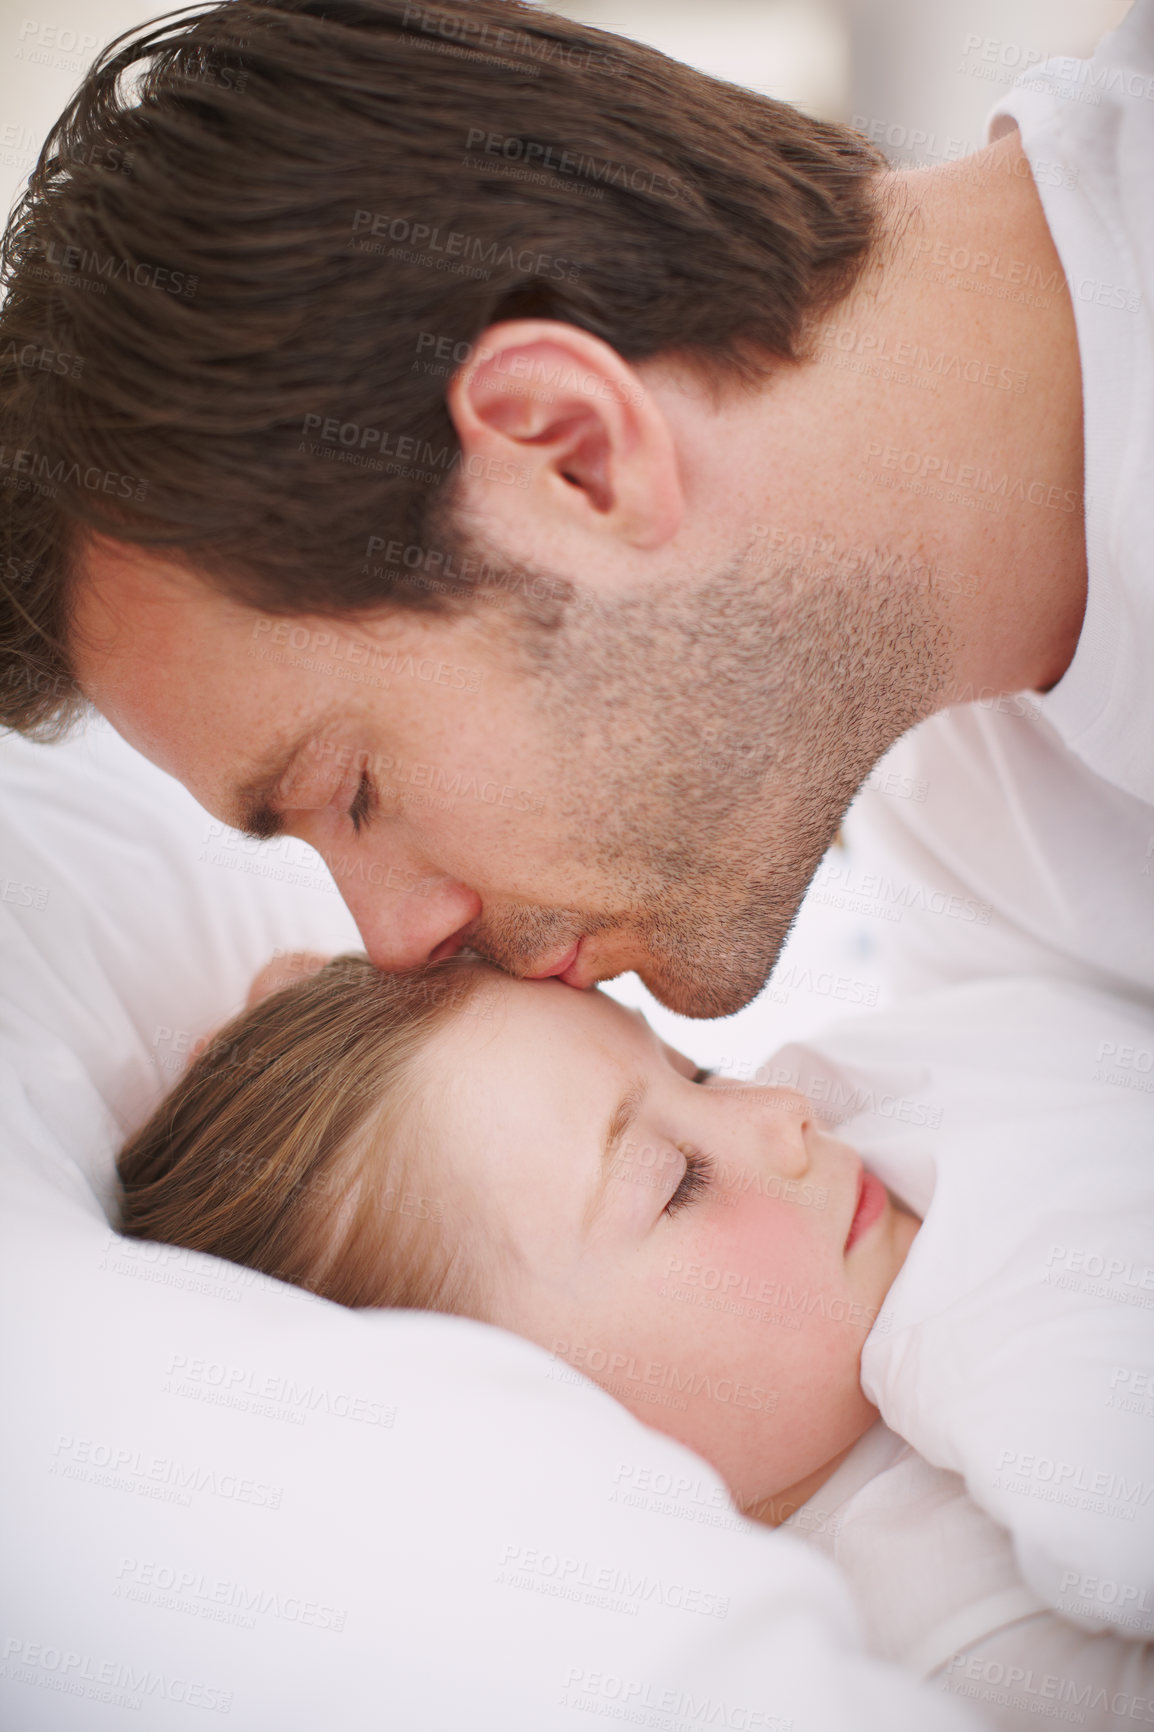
{"x":546,"y":480}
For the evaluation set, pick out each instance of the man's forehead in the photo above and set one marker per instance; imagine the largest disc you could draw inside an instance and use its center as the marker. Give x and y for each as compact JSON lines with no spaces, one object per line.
{"x":168,"y":660}
{"x":123,"y":597}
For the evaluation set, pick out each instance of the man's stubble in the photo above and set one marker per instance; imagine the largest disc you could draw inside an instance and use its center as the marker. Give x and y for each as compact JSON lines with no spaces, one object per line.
{"x":707,"y":742}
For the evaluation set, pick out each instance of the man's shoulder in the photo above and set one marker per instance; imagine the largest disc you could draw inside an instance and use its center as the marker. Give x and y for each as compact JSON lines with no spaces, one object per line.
{"x":1003,"y":851}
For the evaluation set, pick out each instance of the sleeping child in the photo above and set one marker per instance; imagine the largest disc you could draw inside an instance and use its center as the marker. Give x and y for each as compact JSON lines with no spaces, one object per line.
{"x":537,"y":1158}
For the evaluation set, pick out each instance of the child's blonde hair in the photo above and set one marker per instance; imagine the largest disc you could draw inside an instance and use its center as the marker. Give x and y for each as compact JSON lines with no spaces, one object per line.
{"x":291,"y":1144}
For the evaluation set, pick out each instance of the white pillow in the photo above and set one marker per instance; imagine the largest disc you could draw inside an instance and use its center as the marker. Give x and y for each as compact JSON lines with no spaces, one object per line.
{"x":226,"y":1495}
{"x":1016,"y":1346}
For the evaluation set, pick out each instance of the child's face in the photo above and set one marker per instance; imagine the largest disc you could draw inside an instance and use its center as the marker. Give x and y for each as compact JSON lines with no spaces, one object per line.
{"x":723,"y":1309}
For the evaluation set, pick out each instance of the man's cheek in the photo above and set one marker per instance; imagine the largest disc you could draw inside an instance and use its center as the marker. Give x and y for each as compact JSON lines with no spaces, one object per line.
{"x":498,"y":847}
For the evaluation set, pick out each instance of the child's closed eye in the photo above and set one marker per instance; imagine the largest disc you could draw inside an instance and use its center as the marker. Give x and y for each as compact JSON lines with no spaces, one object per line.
{"x":698,"y":1172}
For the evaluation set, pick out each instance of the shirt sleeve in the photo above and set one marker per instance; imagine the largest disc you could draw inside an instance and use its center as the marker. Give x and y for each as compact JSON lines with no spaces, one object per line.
{"x":1042,"y":1669}
{"x":939,"y":1592}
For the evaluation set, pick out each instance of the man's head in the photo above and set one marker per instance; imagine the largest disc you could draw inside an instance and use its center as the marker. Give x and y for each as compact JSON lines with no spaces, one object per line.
{"x":408,"y":416}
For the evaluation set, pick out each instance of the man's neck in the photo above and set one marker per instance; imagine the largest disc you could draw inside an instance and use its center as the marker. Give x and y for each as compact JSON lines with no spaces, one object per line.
{"x":1012,"y":407}
{"x":941,"y":420}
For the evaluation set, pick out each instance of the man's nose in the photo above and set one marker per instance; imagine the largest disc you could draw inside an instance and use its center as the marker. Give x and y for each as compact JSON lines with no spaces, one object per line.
{"x":405,"y":925}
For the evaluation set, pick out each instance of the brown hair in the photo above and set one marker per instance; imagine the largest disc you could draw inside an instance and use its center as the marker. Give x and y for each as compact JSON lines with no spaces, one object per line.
{"x":230,"y":285}
{"x":292,"y":1143}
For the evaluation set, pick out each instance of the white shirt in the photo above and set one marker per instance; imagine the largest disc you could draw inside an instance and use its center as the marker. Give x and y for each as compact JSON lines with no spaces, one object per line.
{"x":1016,"y":833}
{"x":938,"y":1592}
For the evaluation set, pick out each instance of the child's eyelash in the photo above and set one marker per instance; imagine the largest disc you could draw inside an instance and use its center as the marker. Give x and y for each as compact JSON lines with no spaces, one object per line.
{"x":698,"y":1172}
{"x":358,"y":812}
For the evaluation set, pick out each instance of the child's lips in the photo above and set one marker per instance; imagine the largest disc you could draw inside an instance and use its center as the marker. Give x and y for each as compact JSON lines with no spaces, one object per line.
{"x":871,"y":1204}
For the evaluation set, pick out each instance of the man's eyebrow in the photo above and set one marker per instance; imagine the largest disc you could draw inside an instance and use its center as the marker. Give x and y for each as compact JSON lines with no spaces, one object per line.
{"x":252,"y":801}
{"x":621,"y":1121}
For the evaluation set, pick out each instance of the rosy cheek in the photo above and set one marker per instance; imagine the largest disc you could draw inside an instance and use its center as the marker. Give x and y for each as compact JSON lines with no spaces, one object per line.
{"x":758,"y":1239}
{"x":764,"y":1238}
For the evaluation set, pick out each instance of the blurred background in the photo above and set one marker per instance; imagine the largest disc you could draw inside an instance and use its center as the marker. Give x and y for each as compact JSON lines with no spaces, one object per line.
{"x":918,"y":77}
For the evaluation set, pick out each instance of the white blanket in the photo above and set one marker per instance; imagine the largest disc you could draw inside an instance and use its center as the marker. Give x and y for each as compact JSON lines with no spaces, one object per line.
{"x":220,"y":1496}
{"x":939,"y":1589}
{"x":1016,"y":1347}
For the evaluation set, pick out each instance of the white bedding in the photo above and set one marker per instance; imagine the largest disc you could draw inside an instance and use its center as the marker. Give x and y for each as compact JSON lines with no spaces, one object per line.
{"x":1016,"y":1347}
{"x":220,"y":1496}
{"x":939,"y":1588}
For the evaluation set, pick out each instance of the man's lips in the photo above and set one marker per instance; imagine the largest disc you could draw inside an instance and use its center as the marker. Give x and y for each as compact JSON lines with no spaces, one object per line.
{"x":561,"y":966}
{"x":871,"y":1204}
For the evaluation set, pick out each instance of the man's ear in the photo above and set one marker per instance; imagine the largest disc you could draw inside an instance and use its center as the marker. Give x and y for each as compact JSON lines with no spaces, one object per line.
{"x":283,"y":971}
{"x":568,"y":426}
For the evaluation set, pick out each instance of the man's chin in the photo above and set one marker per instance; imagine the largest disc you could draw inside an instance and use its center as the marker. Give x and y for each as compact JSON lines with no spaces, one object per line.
{"x":698,"y":998}
{"x":688,"y":993}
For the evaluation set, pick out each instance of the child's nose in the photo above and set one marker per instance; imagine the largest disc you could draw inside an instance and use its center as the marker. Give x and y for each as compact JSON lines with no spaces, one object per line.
{"x":776,"y":1119}
{"x":785,"y":1117}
